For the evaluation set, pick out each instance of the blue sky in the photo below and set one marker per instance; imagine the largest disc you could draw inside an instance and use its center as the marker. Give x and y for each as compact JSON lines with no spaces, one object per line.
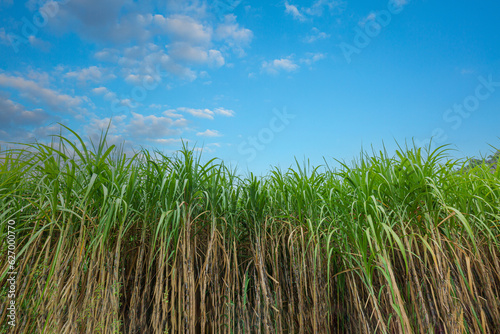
{"x":256,"y":83}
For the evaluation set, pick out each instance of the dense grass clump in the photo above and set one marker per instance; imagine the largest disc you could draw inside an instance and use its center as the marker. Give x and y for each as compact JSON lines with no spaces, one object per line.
{"x":163,"y":244}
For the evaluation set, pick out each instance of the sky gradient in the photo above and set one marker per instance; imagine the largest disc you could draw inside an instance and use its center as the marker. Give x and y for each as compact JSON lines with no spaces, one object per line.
{"x":255,"y":83}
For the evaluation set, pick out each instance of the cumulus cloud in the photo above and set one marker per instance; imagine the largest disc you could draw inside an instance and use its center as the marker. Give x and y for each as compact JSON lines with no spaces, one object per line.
{"x":316,"y":35}
{"x":294,"y":11}
{"x":191,"y":7}
{"x":215,"y":58}
{"x":115,"y":21}
{"x":105,"y":92}
{"x":39,"y":44}
{"x":312,"y":58}
{"x":41,"y":77}
{"x":224,"y":112}
{"x":167,"y":141}
{"x":237,"y":38}
{"x":209,"y":133}
{"x":201,"y":113}
{"x":184,"y":28}
{"x":204,"y":113}
{"x":107,"y":55}
{"x":319,"y":6}
{"x":100,"y":90}
{"x":370,"y":17}
{"x":33,"y":91}
{"x":317,"y":9}
{"x":12,"y":113}
{"x":277,"y":65}
{"x":154,"y":127}
{"x":92,"y":73}
{"x":182,"y":40}
{"x":17,"y":123}
{"x":400,"y":3}
{"x":186,"y":53}
{"x":144,"y":62}
{"x":172,"y":113}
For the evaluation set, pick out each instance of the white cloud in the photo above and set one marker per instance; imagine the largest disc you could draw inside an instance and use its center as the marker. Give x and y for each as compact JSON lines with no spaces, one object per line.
{"x":167,"y":141}
{"x":294,"y":11}
{"x":184,"y":29}
{"x":17,"y":124}
{"x":112,"y":96}
{"x":224,"y":112}
{"x":312,"y":58}
{"x":157,"y":106}
{"x":100,"y":90}
{"x":200,"y":113}
{"x":186,"y":53}
{"x":231,"y":30}
{"x":400,"y":3}
{"x":39,"y":44}
{"x":107,"y":94}
{"x":136,"y":79}
{"x":34,"y":92}
{"x":209,"y":133}
{"x":317,"y":8}
{"x":237,"y":38}
{"x":108,"y":55}
{"x":277,"y":65}
{"x":12,"y":113}
{"x":192,"y":7}
{"x":140,"y":63}
{"x":172,"y":113}
{"x":215,"y":58}
{"x":319,"y":5}
{"x":316,"y":35}
{"x":370,"y":17}
{"x":181,"y":42}
{"x":42,"y":78}
{"x":92,"y":73}
{"x":118,"y":21}
{"x":154,"y":127}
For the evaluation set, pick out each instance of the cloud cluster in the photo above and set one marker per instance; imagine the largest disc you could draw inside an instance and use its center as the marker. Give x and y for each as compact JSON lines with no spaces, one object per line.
{"x":288,"y":64}
{"x":16,"y":121}
{"x":12,"y":114}
{"x":209,"y":133}
{"x":202,"y":113}
{"x":92,"y":73}
{"x":277,"y":65}
{"x":316,"y":35}
{"x":177,"y":40}
{"x":34,"y":92}
{"x":153,"y":127}
{"x":117,"y":21}
{"x":316,"y":9}
{"x":135,"y":43}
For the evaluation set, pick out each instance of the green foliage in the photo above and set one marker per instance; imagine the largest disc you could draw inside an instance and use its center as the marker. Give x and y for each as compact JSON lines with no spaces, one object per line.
{"x":166,"y":243}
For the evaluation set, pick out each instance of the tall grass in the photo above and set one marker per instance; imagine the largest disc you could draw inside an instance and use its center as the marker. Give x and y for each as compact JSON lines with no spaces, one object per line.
{"x":160,"y":244}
